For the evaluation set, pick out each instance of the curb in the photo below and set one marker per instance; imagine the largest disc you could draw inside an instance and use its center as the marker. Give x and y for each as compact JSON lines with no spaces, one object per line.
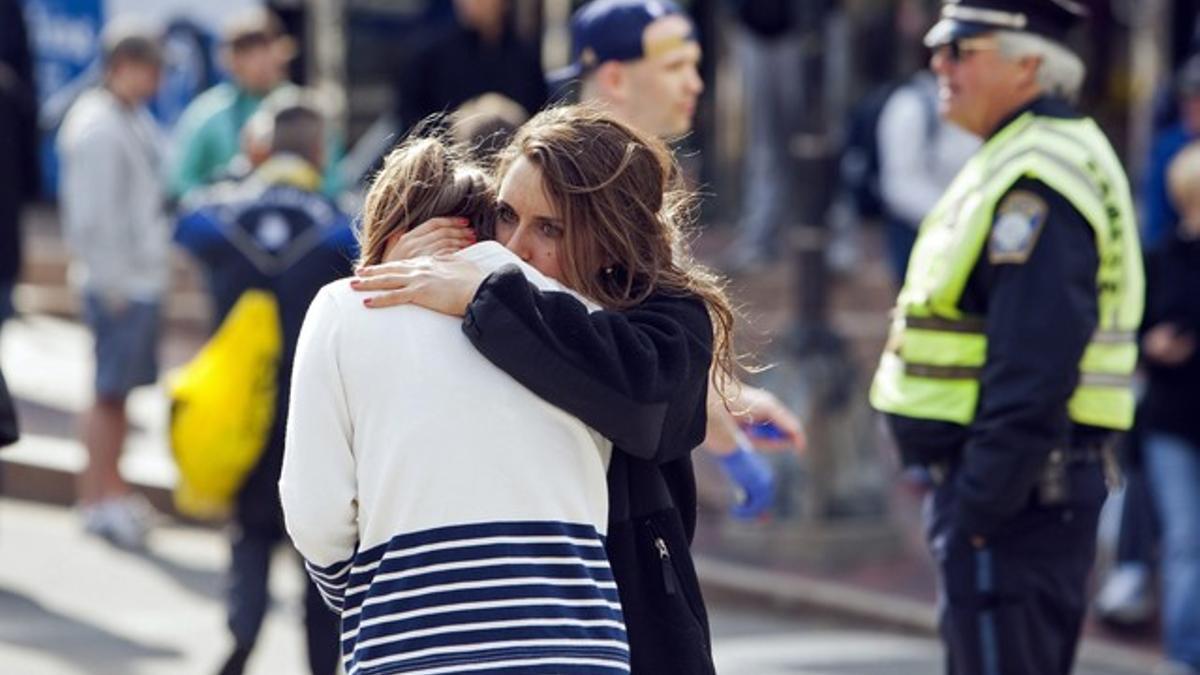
{"x":45,"y":470}
{"x":791,"y":590}
{"x":47,"y":482}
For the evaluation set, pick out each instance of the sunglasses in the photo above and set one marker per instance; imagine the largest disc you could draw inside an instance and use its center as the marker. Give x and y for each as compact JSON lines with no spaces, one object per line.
{"x":958,"y":50}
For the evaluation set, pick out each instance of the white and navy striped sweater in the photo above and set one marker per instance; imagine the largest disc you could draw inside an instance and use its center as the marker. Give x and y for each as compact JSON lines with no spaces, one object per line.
{"x":454,"y":519}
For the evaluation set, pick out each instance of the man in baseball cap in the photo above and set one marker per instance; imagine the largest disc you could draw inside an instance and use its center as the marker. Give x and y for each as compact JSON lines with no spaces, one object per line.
{"x":639,"y":58}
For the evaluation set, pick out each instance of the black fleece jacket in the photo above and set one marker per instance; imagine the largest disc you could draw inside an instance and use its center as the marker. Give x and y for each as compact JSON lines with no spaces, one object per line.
{"x":639,"y":377}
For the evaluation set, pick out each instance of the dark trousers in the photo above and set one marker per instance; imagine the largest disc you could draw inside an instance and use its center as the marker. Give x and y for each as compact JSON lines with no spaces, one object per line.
{"x":900,"y":238}
{"x":1016,"y":606}
{"x":258,"y":531}
{"x":1138,"y":536}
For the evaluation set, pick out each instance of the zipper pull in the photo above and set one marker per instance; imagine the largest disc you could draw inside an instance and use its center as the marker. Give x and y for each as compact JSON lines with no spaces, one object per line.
{"x":664,"y":555}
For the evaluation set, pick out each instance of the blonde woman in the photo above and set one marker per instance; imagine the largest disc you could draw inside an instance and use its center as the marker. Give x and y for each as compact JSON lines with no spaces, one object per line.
{"x":454,"y":519}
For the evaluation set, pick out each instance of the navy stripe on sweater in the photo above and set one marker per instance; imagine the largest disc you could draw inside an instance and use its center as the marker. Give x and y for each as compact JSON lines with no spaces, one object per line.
{"x":511,"y":596}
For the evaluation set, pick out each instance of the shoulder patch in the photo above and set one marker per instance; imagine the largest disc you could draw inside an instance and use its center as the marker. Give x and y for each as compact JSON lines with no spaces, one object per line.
{"x":1019,"y":221}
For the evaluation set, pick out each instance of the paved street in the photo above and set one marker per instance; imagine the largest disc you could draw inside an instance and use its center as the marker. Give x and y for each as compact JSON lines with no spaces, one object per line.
{"x":70,"y":604}
{"x":73,"y":605}
{"x":753,"y":640}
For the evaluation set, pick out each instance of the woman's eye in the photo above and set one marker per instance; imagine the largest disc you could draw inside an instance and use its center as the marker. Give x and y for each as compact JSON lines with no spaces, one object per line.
{"x":505,"y":214}
{"x":551,"y":231}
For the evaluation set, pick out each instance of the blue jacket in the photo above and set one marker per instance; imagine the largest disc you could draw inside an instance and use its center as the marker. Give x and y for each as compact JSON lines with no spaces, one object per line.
{"x":273,"y":231}
{"x":1159,"y":216}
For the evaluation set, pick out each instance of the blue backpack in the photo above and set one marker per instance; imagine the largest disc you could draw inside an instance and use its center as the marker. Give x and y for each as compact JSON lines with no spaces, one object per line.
{"x":858,"y":170}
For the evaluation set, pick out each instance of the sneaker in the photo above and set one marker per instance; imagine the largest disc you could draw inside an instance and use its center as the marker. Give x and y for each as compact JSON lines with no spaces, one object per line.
{"x":141,"y":509}
{"x":1126,"y":598}
{"x":93,"y":521}
{"x":119,"y":521}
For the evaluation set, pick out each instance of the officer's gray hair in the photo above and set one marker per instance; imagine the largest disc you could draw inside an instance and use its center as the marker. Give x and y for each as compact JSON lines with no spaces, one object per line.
{"x":1061,"y":72}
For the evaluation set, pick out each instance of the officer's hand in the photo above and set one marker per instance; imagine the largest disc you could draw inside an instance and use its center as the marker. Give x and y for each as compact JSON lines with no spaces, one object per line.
{"x":978,"y":541}
{"x":435,"y":236}
{"x":444,"y":284}
{"x":1167,"y":345}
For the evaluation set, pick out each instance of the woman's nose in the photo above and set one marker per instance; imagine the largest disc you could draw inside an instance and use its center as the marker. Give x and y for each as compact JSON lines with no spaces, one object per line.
{"x":516,"y":244}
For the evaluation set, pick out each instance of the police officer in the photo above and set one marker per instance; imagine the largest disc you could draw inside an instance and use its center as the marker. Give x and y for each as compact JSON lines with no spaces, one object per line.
{"x":1007,"y":369}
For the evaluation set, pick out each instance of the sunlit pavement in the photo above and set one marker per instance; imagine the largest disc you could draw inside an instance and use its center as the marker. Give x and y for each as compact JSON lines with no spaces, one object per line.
{"x":71,"y":604}
{"x":753,"y":640}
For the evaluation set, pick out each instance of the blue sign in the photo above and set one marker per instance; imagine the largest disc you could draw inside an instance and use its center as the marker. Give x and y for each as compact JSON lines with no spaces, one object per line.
{"x":64,"y":37}
{"x":188,"y":69}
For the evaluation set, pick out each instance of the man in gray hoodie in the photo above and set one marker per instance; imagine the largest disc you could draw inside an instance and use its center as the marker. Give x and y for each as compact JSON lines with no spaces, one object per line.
{"x":111,"y":197}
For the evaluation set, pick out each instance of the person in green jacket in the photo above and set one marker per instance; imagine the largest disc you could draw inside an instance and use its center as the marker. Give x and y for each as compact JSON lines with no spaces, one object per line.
{"x":256,"y":52}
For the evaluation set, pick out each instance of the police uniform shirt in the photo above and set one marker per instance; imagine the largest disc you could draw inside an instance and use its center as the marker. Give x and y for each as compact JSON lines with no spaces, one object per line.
{"x":1035,"y":284}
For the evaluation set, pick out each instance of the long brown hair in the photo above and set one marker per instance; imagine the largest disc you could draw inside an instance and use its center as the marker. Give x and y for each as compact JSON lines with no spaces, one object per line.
{"x":625,"y":214}
{"x":423,"y":178}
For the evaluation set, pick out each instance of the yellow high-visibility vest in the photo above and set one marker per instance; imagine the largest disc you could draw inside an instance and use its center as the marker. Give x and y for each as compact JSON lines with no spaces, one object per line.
{"x":935,"y":353}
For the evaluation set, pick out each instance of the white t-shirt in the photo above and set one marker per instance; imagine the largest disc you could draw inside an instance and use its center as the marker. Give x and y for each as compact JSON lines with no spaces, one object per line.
{"x":919,"y":152}
{"x":430,"y":492}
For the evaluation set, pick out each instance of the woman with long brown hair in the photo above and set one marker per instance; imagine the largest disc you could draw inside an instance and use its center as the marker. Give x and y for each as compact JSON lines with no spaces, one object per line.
{"x":595,"y":204}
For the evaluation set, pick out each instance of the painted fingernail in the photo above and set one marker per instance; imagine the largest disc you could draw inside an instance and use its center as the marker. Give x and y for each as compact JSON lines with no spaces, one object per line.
{"x":367,"y":302}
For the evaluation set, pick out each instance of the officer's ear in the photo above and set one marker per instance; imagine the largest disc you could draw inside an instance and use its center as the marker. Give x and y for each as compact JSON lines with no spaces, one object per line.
{"x":611,"y":79}
{"x":1029,"y":66}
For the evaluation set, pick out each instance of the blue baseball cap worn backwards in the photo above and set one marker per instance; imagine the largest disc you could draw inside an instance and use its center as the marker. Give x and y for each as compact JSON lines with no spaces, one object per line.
{"x":612,"y":30}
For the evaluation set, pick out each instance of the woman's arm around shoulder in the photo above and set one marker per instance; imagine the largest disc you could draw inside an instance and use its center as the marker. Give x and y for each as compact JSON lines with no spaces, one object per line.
{"x":637,"y":376}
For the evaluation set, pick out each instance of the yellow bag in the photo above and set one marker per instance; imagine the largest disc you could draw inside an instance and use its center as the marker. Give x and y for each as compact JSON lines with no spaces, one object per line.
{"x":223,"y":405}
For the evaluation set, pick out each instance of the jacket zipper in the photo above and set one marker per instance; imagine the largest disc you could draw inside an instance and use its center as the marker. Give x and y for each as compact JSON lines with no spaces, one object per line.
{"x":670,"y":583}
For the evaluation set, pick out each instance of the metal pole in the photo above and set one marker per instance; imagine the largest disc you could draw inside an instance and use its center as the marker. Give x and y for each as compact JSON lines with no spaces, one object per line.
{"x":327,"y":67}
{"x":1149,"y":64}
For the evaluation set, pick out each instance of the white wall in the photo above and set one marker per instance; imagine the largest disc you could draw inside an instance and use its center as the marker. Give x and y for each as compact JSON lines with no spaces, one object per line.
{"x":212,"y":14}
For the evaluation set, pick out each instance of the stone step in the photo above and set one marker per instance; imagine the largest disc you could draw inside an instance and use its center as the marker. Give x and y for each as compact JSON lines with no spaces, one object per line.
{"x":47,"y":364}
{"x":183,"y":309}
{"x":44,"y":288}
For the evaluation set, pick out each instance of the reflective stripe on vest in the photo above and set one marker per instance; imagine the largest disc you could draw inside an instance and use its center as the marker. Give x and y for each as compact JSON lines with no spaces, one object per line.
{"x":936,"y":353}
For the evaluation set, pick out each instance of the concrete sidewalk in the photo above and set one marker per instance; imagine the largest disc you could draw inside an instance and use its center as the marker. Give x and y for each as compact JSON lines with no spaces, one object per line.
{"x":72,"y":604}
{"x":897,"y":591}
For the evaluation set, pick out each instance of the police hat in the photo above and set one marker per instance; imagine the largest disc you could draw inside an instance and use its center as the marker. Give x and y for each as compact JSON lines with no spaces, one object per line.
{"x":965,"y":18}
